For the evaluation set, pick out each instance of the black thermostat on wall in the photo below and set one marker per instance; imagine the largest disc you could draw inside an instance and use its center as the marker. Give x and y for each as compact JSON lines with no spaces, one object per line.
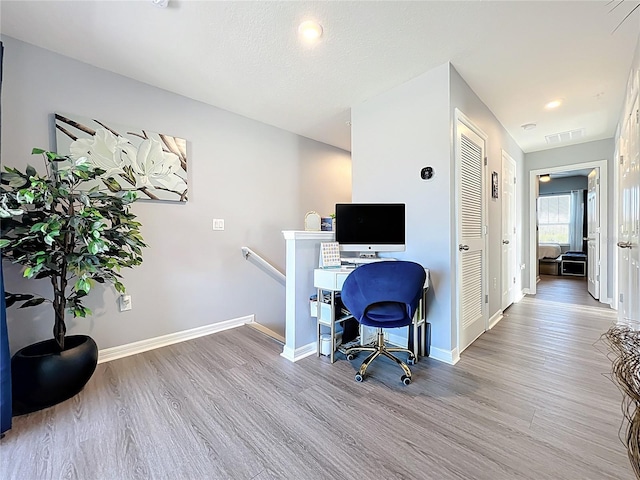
{"x":426,"y":173}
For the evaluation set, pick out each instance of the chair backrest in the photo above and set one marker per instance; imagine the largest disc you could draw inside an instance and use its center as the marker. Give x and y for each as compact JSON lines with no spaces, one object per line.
{"x":384,"y":294}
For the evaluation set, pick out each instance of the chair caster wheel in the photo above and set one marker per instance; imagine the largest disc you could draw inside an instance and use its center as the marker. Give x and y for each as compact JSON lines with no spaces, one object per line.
{"x":406,"y":380}
{"x":359,"y":378}
{"x":350,"y":356}
{"x":411,"y":360}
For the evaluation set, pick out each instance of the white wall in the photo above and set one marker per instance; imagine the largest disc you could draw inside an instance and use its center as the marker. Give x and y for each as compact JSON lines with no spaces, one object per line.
{"x":571,"y":155}
{"x":564,"y":185}
{"x":397,"y":133}
{"x":260,"y":179}
{"x":394,"y":135}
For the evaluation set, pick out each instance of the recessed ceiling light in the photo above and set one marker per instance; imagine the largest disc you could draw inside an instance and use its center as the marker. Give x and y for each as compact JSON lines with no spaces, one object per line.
{"x":310,"y":30}
{"x":529,"y":126}
{"x":553,"y":104}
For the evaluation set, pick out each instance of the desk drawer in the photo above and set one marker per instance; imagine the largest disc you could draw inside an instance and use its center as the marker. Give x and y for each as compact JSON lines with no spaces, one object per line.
{"x":340,"y":278}
{"x":325,"y":312}
{"x":329,"y":279}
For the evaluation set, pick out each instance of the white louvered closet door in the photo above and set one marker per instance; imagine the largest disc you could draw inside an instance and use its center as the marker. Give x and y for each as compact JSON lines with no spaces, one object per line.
{"x":471,"y":211}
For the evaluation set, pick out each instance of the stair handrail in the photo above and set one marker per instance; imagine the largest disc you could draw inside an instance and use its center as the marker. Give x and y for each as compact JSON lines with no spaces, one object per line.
{"x":247,"y":252}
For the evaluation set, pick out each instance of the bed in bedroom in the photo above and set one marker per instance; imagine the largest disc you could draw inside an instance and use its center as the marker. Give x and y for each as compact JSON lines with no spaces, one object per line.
{"x":549,"y":258}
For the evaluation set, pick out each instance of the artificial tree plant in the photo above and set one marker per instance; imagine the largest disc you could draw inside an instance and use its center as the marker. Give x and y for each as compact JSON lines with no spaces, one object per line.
{"x":71,"y":225}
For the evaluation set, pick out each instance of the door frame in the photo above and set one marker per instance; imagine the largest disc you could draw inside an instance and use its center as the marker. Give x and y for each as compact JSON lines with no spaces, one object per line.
{"x":597,"y":251}
{"x":460,"y":117}
{"x":604,"y":221}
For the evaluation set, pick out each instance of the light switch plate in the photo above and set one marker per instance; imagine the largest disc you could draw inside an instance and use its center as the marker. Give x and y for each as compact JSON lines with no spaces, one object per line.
{"x":125,"y":303}
{"x":218,"y":224}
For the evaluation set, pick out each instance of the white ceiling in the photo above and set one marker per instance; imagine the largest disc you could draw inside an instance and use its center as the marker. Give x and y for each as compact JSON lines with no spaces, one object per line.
{"x":246,"y":57}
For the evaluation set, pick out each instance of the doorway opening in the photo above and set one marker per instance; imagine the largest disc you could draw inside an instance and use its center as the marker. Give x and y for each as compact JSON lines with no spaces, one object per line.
{"x":566,"y":243}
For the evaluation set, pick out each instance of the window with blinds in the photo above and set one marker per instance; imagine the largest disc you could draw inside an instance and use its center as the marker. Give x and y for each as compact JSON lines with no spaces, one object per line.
{"x":554,"y":218}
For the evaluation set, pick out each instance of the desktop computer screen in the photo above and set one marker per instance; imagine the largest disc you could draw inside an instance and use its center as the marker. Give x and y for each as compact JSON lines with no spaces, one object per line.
{"x":368,"y":228}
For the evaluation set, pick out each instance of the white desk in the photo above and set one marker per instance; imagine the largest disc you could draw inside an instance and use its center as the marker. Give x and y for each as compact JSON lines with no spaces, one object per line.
{"x":332,"y":279}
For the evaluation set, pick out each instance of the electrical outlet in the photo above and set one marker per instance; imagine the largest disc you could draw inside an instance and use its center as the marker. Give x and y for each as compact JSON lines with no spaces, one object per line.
{"x":218,"y":224}
{"x":125,"y":303}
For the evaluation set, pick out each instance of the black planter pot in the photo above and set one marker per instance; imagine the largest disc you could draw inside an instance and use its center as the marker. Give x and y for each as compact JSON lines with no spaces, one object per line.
{"x":42,"y":376}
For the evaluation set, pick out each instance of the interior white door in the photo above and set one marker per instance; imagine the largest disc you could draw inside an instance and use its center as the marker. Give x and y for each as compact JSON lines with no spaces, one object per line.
{"x":509,"y":267}
{"x":593,"y":233}
{"x":629,"y":221}
{"x":471,"y":211}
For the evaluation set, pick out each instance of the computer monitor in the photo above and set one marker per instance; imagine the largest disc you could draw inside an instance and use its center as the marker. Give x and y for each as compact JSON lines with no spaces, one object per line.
{"x":368,"y":228}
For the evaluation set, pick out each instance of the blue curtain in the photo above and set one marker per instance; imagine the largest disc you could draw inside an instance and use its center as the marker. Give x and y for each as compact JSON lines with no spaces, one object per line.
{"x":5,"y":359}
{"x":576,"y":220}
{"x":5,"y":363}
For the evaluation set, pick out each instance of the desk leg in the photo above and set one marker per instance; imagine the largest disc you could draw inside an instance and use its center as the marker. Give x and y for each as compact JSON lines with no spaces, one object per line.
{"x":332,"y":321}
{"x":318,"y":310}
{"x":416,"y":352}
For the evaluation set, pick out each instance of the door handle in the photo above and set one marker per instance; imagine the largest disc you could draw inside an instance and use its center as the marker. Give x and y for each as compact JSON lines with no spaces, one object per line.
{"x":505,"y":242}
{"x":462,"y":247}
{"x":624,"y":244}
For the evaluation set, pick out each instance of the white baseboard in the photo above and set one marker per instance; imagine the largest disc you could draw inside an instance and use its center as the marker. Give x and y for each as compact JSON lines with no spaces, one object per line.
{"x":267,"y":331}
{"x":495,"y":318}
{"x":396,"y":339}
{"x":113,"y":353}
{"x":447,"y":356}
{"x":525,"y":291}
{"x":300,"y":352}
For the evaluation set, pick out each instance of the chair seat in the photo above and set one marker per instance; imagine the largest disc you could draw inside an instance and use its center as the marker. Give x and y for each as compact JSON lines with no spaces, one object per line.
{"x":386,"y":315}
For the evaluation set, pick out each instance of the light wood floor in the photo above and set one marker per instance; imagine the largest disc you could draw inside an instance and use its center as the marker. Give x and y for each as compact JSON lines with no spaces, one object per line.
{"x":528,"y":400}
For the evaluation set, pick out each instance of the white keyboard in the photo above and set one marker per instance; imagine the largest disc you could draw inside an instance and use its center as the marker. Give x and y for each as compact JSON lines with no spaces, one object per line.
{"x":362,"y":260}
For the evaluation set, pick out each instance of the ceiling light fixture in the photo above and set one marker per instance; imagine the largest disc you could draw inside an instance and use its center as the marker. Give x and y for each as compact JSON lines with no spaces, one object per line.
{"x":160,"y":3}
{"x":310,"y":30}
{"x":545,"y":178}
{"x":553,"y":104}
{"x":529,"y":126}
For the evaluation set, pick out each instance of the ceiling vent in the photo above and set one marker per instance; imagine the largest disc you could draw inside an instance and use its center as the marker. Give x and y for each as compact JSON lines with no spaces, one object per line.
{"x":562,"y":137}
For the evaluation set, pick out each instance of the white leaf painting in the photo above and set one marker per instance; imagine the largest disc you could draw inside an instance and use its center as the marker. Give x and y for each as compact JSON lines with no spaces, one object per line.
{"x":154,"y":164}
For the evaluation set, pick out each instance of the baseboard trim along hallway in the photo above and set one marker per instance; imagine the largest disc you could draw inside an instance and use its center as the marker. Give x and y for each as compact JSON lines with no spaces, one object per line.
{"x":299,"y":353}
{"x":113,"y":353}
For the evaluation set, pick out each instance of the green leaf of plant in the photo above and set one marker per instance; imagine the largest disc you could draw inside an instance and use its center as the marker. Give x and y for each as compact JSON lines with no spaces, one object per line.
{"x":36,"y":151}
{"x":82,"y":285}
{"x":32,"y":303}
{"x":93,"y":247}
{"x":38,"y":227}
{"x":17,"y":182}
{"x":31,"y":172}
{"x":4,"y":242}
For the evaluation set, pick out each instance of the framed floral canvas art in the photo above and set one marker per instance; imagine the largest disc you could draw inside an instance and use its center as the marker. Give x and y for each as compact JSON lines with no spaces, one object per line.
{"x":154,"y":164}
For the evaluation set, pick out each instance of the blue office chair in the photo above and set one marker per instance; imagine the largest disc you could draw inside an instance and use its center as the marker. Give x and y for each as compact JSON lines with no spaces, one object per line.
{"x":383,"y":295}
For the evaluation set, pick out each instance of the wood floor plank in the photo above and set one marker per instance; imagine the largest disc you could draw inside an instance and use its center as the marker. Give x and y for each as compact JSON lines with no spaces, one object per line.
{"x":530,"y":399}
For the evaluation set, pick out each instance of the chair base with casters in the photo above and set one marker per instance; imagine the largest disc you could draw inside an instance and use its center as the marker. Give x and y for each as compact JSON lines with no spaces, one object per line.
{"x":377,"y":349}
